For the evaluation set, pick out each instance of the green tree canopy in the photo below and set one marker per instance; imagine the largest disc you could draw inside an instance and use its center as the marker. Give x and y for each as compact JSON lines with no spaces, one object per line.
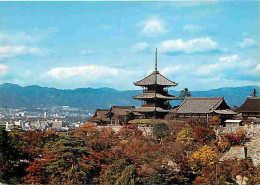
{"x":184,"y":94}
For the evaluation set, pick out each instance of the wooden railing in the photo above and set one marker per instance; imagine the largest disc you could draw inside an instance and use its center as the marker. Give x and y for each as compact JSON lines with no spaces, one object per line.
{"x":153,"y":91}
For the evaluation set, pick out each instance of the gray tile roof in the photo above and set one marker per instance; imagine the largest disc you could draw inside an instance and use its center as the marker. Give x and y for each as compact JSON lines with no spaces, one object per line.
{"x":199,"y":105}
{"x":154,"y":95}
{"x":150,"y":80}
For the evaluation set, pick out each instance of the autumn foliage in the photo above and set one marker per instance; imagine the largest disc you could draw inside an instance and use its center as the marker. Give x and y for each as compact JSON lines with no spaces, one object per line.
{"x":186,"y":153}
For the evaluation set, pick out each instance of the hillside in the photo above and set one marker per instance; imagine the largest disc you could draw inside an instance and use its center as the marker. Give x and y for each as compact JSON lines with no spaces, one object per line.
{"x":14,"y":96}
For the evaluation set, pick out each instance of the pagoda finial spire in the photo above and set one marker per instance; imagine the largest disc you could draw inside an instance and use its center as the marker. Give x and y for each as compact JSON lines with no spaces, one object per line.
{"x":155,"y":69}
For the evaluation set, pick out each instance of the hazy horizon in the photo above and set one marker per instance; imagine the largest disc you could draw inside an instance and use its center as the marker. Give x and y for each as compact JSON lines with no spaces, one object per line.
{"x":137,"y":88}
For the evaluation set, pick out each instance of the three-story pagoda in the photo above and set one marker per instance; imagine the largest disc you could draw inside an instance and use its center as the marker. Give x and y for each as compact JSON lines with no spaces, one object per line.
{"x":155,"y":98}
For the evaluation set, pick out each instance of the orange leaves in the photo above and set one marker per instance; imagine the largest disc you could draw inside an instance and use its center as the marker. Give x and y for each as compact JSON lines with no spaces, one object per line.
{"x":223,"y":146}
{"x":214,"y":120}
{"x":87,"y":165}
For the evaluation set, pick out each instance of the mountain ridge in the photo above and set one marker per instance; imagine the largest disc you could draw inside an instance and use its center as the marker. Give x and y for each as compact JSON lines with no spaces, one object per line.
{"x":15,"y":96}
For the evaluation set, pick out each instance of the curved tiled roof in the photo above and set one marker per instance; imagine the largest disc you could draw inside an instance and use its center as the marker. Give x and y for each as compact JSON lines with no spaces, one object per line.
{"x":252,"y":104}
{"x":100,"y":115}
{"x":120,"y":110}
{"x":154,"y":95}
{"x":150,"y":80}
{"x":199,"y":105}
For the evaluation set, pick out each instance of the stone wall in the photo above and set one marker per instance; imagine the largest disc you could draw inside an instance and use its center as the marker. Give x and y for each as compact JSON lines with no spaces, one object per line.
{"x":235,"y":152}
{"x":253,"y":146}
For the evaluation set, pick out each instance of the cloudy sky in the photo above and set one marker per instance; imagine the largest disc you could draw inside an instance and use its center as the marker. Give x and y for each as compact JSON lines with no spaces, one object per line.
{"x":201,"y":45}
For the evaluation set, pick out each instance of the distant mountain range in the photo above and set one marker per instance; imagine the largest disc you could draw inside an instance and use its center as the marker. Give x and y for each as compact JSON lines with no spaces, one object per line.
{"x":15,"y":96}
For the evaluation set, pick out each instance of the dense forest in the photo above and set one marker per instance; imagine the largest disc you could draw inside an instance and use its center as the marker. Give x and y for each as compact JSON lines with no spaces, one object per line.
{"x":173,"y":153}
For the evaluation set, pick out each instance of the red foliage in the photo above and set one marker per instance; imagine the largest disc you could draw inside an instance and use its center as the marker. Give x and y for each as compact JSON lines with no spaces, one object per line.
{"x":129,"y":131}
{"x":37,"y":168}
{"x":203,"y":134}
{"x":234,"y":139}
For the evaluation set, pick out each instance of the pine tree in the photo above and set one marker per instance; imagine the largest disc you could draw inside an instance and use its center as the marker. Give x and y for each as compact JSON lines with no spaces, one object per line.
{"x":254,"y":94}
{"x":12,"y":159}
{"x":184,"y":94}
{"x":74,"y":163}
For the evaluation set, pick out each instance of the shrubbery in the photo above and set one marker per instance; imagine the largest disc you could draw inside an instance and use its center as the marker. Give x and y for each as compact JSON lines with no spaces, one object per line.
{"x":187,"y":154}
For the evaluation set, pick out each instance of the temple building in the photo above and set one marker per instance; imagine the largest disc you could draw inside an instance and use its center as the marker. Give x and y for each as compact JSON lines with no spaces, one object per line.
{"x":155,"y":98}
{"x":121,"y":115}
{"x":204,"y":108}
{"x":250,"y":108}
{"x":100,"y":117}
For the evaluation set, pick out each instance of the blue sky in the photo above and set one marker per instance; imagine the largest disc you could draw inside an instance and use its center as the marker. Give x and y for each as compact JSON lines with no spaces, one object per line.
{"x":201,"y":45}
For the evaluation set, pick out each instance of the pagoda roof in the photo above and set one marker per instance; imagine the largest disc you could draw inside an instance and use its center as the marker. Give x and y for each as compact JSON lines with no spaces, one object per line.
{"x":154,"y":95}
{"x":252,"y":104}
{"x":150,"y":80}
{"x":150,"y":109}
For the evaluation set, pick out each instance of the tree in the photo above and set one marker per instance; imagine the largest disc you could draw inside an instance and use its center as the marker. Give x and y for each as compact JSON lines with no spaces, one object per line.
{"x":87,"y":131}
{"x":128,"y":176}
{"x":160,"y":130}
{"x":186,"y":136}
{"x":254,"y":94}
{"x":37,"y":170}
{"x":184,"y":94}
{"x":74,"y":163}
{"x":229,"y":172}
{"x":205,"y":156}
{"x":237,"y":138}
{"x":128,"y":132}
{"x":112,"y":173}
{"x":203,"y":134}
{"x":12,"y":158}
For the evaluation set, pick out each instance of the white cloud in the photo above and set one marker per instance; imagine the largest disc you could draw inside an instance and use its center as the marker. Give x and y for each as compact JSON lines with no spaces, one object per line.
{"x":228,"y":59}
{"x":248,"y":43}
{"x":11,"y":51}
{"x":141,"y":46}
{"x":170,"y":70}
{"x":88,"y":72}
{"x":191,"y":46}
{"x":3,"y":70}
{"x":258,"y":67}
{"x":207,"y":69}
{"x":225,"y":62}
{"x":230,"y":65}
{"x":14,"y":38}
{"x":10,"y":38}
{"x":153,"y":27}
{"x":192,"y":28}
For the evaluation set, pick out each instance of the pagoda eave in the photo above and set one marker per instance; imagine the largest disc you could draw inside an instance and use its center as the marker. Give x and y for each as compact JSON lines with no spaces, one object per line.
{"x":146,"y":96}
{"x":150,"y":109}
